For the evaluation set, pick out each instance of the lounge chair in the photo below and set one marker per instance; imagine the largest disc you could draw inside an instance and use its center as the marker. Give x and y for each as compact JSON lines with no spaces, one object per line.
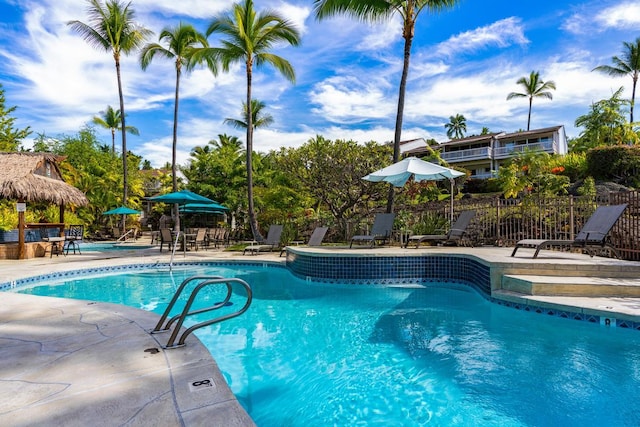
{"x":272,"y":242}
{"x":166,"y":238}
{"x":381,"y":230}
{"x":594,"y":234}
{"x":454,"y":235}
{"x":316,"y":238}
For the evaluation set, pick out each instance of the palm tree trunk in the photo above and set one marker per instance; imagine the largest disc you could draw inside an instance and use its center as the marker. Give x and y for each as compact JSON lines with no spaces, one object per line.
{"x":113,"y":141}
{"x":125,"y":181}
{"x":253,"y":222}
{"x":529,"y":118}
{"x":633,"y":96}
{"x":174,"y":149}
{"x":408,"y":35}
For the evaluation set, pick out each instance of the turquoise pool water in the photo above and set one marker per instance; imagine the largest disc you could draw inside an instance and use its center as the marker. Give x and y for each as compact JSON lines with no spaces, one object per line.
{"x":310,"y":354}
{"x":105,"y":247}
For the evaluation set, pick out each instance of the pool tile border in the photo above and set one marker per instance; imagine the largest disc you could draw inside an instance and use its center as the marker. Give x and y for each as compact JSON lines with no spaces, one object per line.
{"x":425,"y":269}
{"x":359,"y":270}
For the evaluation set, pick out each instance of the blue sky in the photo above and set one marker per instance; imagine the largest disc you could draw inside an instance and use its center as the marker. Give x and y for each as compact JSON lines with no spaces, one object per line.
{"x":464,"y":61}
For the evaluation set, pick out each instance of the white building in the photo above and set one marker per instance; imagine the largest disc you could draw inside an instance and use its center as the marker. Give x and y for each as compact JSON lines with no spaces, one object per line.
{"x":484,"y":154}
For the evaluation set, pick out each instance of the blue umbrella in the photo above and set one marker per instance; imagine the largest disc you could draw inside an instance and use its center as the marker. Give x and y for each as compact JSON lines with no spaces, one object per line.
{"x":203,"y":208}
{"x":181,"y":197}
{"x":122,"y":210}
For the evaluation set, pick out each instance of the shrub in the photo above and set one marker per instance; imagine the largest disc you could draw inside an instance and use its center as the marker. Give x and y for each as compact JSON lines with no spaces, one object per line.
{"x":618,"y":163}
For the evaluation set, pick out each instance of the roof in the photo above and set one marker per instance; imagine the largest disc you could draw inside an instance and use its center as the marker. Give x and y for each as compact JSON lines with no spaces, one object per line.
{"x":530,"y":133}
{"x":35,"y":177}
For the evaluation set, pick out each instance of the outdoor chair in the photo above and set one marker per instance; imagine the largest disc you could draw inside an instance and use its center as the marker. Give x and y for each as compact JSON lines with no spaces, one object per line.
{"x":73,"y":237}
{"x":166,"y":238}
{"x":315,"y":239}
{"x":593,"y":236}
{"x":199,"y":240}
{"x":381,"y":230}
{"x":272,"y":242}
{"x":54,"y":244}
{"x":454,"y":235}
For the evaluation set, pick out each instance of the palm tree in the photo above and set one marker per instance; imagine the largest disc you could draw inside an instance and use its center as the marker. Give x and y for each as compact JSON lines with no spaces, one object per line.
{"x":533,"y":87}
{"x":250,"y":37}
{"x":258,"y":119}
{"x":111,"y":27}
{"x":375,"y":10}
{"x":182,"y":42}
{"x":110,"y":119}
{"x":627,"y":65}
{"x":456,"y":127}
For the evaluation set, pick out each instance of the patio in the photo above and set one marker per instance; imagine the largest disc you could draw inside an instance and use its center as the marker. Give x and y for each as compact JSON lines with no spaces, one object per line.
{"x":48,"y":341}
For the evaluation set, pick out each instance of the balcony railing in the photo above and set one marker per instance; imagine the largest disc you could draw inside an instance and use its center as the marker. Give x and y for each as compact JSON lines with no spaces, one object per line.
{"x":467,"y":155}
{"x":504,"y":152}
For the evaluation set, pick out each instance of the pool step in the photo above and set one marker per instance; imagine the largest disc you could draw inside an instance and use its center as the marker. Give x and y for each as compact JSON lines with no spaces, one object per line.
{"x":572,"y":286}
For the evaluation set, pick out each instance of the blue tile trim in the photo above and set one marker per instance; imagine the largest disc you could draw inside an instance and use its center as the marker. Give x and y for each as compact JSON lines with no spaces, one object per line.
{"x":131,"y":267}
{"x":358,"y":270}
{"x":389,"y":269}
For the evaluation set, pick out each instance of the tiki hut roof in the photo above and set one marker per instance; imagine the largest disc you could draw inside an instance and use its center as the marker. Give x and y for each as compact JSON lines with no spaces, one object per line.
{"x":36,"y":177}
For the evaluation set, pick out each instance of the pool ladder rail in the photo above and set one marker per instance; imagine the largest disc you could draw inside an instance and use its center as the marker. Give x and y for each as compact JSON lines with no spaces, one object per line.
{"x":180,"y":318}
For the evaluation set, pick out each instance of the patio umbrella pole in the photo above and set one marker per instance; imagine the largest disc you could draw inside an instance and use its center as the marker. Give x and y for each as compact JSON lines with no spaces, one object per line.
{"x":173,"y":250}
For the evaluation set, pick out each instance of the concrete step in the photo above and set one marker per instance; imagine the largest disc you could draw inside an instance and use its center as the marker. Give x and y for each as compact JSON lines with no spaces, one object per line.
{"x":572,"y":286}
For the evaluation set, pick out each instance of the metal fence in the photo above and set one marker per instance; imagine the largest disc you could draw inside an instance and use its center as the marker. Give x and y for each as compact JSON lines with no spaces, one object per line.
{"x":503,"y":222}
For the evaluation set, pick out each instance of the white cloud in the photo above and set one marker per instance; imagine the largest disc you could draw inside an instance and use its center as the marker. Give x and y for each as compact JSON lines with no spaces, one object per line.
{"x":503,"y":33}
{"x":350,"y":99}
{"x":596,"y":19}
{"x":624,"y":15}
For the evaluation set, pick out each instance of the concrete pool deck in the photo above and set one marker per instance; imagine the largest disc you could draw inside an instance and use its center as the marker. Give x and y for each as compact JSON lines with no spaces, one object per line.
{"x":68,"y":362}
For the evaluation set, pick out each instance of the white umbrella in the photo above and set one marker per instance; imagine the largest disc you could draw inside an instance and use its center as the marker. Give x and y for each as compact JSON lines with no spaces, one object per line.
{"x":399,"y":173}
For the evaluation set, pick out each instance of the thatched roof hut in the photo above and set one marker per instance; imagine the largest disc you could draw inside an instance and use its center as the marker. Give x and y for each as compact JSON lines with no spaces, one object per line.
{"x":32,"y":177}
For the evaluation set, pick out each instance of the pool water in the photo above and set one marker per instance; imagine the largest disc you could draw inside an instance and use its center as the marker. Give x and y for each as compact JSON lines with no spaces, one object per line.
{"x":308,"y":354}
{"x":105,"y":247}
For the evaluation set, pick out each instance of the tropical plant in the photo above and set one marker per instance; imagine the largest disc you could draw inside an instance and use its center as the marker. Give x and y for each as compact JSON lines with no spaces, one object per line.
{"x":604,"y":124}
{"x":10,"y":137}
{"x":249,"y":39}
{"x":110,"y":119}
{"x":626,"y":65}
{"x":216,"y":170}
{"x":182,"y":41}
{"x":112,"y":27}
{"x":376,"y":10}
{"x":456,"y":127}
{"x":258,"y":118}
{"x":532,"y":171}
{"x":534,"y":87}
{"x":331,"y":172}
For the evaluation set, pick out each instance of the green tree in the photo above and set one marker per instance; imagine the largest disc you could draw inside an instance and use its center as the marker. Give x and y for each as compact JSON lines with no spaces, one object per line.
{"x":626,"y":65}
{"x":10,"y":137}
{"x":533,"y":87}
{"x":376,"y":10}
{"x":332,"y":171}
{"x":110,"y":119}
{"x":216,"y":170}
{"x":182,"y":41}
{"x":259,"y":119}
{"x":249,"y":37}
{"x":111,"y":27}
{"x":456,"y":127}
{"x":532,"y":172}
{"x":604,"y":124}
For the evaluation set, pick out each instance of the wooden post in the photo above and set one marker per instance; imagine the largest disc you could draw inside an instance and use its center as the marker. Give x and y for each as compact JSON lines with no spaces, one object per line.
{"x":62,"y":220}
{"x":21,"y":247}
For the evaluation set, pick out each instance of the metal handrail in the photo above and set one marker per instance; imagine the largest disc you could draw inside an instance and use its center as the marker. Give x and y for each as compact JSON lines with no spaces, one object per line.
{"x":206,"y":281}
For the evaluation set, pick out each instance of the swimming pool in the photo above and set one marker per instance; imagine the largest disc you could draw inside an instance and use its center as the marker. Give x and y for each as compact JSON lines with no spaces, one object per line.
{"x":321,"y":354}
{"x":111,"y":246}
